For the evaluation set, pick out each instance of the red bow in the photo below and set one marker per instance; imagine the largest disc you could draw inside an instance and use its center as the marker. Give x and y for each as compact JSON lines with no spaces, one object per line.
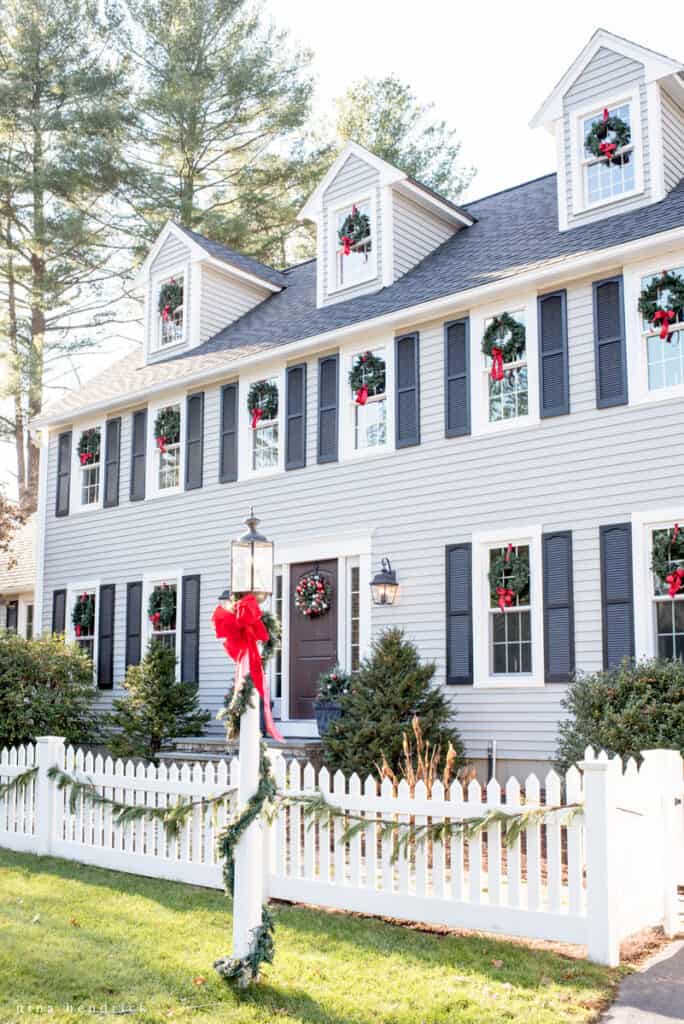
{"x":675,"y":531}
{"x":675,"y":580}
{"x":165,"y":312}
{"x":256,"y":416}
{"x":240,"y":630}
{"x":346,"y":243}
{"x":606,"y":115}
{"x":505,"y":596}
{"x":607,"y":149}
{"x":155,"y":618}
{"x":78,"y":629}
{"x":361,"y":396}
{"x":85,"y":457}
{"x":497,"y":364}
{"x":664,"y":317}
{"x":161,"y":443}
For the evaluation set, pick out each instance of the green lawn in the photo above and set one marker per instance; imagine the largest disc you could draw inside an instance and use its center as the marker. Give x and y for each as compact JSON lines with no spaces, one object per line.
{"x":74,"y":937}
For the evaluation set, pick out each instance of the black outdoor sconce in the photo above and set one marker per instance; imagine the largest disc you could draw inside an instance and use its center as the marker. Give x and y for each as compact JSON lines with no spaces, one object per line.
{"x":384,"y":584}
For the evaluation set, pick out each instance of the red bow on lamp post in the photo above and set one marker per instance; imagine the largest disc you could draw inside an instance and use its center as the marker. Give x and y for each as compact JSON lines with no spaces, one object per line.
{"x":497,"y":364}
{"x":664,"y":317}
{"x":241,"y":629}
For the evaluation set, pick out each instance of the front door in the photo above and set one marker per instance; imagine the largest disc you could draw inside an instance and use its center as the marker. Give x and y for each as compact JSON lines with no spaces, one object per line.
{"x":313,"y":641}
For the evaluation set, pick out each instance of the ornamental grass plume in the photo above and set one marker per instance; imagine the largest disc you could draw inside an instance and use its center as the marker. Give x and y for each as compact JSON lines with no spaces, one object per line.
{"x":424,"y":766}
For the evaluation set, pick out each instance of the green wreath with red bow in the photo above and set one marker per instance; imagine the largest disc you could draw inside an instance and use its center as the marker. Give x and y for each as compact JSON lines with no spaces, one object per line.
{"x":161,"y":607}
{"x":262,"y":401}
{"x":661,"y":315}
{"x":167,"y":427}
{"x":170,"y":298}
{"x":504,"y":342}
{"x":509,"y":576}
{"x":600,"y":146}
{"x":313,"y":595}
{"x":89,"y":446}
{"x":83,"y":615}
{"x":367,"y":377}
{"x":354,"y":229}
{"x":667,"y":556}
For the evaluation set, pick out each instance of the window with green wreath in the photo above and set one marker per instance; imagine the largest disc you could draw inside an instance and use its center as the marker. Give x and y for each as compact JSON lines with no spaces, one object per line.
{"x":368,"y":399}
{"x":662,"y":327}
{"x":510,"y":637}
{"x":88,"y":453}
{"x":263,"y":412}
{"x":167,"y":439}
{"x":504,"y":348}
{"x":667,"y":570}
{"x":170,"y":310}
{"x":162,"y":612}
{"x":608,"y":162}
{"x":353,"y":244}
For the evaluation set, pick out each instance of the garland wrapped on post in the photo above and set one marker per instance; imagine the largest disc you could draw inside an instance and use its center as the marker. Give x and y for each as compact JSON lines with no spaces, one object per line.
{"x":262,"y":401}
{"x":667,"y":558}
{"x":313,"y":595}
{"x":367,"y":377}
{"x":504,"y":342}
{"x":170,"y":298}
{"x":89,"y":446}
{"x":354,"y":229}
{"x":660,"y":314}
{"x":167,"y":427}
{"x":509,"y":576}
{"x":600,"y":146}
{"x":83,"y":615}
{"x":161,"y":607}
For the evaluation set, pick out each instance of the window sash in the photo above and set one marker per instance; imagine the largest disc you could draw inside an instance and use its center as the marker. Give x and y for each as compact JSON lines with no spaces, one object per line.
{"x":169,"y":467}
{"x":265,"y":445}
{"x":90,"y":483}
{"x":370,"y":423}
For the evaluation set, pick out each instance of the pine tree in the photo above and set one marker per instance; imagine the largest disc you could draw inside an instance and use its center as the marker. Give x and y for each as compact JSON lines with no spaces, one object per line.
{"x":390,"y":687}
{"x":224,"y":103}
{"x":64,"y":119}
{"x":156,"y":708}
{"x":385,"y":116}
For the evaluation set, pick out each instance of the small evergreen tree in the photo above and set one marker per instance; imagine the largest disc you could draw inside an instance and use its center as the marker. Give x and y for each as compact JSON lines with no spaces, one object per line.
{"x":156,"y":707}
{"x":391,"y":686}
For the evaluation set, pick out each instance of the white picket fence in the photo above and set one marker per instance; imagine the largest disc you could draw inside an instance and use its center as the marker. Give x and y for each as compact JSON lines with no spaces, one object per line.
{"x":604,"y":875}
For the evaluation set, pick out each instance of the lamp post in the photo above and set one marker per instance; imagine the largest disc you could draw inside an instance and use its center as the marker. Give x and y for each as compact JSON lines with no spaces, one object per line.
{"x":251,"y":573}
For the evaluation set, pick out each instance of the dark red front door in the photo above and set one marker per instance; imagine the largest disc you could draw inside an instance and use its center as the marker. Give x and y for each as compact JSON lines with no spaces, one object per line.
{"x":313,"y":641}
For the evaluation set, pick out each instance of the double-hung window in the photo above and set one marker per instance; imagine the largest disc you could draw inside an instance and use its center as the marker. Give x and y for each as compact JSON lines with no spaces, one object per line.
{"x":265,"y":436}
{"x":369,"y":418}
{"x":168,"y":448}
{"x":162,"y":612}
{"x":170,"y":311}
{"x":664,"y":356}
{"x":605,"y":179}
{"x":508,"y":398}
{"x":668,"y":612}
{"x":353,"y":243}
{"x":88,"y":460}
{"x":510,"y":633}
{"x":83,"y":622}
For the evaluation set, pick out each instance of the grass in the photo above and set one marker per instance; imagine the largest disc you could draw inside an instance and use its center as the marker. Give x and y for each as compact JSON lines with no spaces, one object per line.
{"x":74,"y":937}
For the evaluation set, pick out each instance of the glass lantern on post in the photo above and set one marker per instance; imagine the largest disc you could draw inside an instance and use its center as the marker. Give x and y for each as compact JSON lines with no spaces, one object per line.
{"x":251,"y":563}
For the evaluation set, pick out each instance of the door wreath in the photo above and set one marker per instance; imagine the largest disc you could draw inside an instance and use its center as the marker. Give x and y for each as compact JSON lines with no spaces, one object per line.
{"x":313,"y":595}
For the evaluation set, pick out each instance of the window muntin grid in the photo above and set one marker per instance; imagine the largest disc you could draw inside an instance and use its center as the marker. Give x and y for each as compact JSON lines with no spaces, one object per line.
{"x":354,"y":618}
{"x":168,"y":472}
{"x":171,"y":331}
{"x":604,"y":179}
{"x":510,"y":639}
{"x":664,"y":356}
{"x":265,"y":438}
{"x":86,"y":641}
{"x":167,"y":636}
{"x":508,"y":398}
{"x":668,"y":614}
{"x":370,"y":420}
{"x":357,"y":266}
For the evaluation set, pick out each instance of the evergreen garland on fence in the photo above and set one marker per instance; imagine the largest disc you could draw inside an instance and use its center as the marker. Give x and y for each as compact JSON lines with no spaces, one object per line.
{"x":19,"y":783}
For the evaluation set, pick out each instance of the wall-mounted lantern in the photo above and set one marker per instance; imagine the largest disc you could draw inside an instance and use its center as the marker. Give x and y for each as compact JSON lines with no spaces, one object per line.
{"x":384,"y":584}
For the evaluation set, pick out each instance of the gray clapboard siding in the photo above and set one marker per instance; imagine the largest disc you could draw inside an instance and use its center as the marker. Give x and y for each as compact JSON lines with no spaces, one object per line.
{"x":223,"y":300}
{"x":576,"y":472}
{"x":355,"y":177}
{"x":673,"y":140}
{"x":173,"y":257}
{"x":417,"y":232}
{"x":606,"y":74}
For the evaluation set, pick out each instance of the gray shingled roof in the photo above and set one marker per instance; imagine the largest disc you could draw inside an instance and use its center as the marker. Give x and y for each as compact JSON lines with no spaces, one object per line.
{"x":17,"y":566}
{"x":236,"y":259}
{"x":516,"y":231}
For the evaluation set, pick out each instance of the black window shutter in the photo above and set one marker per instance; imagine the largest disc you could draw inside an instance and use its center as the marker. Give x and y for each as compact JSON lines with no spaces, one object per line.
{"x":105,"y":637}
{"x":617,"y":593}
{"x":457,"y":378}
{"x":407,"y":400}
{"x":228,"y":455}
{"x":134,"y":592}
{"x":327,"y":408}
{"x":138,"y":453}
{"x":58,"y":611}
{"x":459,"y":614}
{"x":609,"y":343}
{"x":112,"y":462}
{"x":194,"y":441}
{"x":12,"y":618}
{"x":190,"y":629}
{"x":559,"y":617}
{"x":295,"y":426}
{"x":554,"y":390}
{"x":63,"y":473}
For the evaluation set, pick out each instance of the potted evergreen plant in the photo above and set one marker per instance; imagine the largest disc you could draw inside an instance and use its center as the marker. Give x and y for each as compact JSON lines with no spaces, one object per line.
{"x":332,"y":686}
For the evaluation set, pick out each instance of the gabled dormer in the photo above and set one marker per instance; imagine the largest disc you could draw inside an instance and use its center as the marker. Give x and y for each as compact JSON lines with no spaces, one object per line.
{"x":194,"y":287}
{"x":629,"y":101}
{"x":373,"y":223}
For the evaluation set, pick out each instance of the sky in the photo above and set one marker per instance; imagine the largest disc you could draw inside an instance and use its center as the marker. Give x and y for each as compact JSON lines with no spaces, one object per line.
{"x":486,"y":66}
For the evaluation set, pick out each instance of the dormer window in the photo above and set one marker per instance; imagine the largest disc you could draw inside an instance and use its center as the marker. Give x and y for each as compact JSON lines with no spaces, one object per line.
{"x":170,"y":312}
{"x":608,"y":160}
{"x":354,"y":256}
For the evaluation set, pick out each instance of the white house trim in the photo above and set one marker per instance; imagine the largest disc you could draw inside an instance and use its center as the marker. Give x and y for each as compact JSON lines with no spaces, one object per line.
{"x":656,"y":66}
{"x":655,"y":141}
{"x":39,"y":539}
{"x":313,"y":207}
{"x":454,"y":304}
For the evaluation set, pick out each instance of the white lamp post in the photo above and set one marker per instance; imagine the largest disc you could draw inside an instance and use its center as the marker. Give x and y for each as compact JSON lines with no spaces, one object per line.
{"x":251,"y":573}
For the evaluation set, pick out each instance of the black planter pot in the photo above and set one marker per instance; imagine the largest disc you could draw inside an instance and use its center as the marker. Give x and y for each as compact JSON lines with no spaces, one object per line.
{"x":326,"y":711}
